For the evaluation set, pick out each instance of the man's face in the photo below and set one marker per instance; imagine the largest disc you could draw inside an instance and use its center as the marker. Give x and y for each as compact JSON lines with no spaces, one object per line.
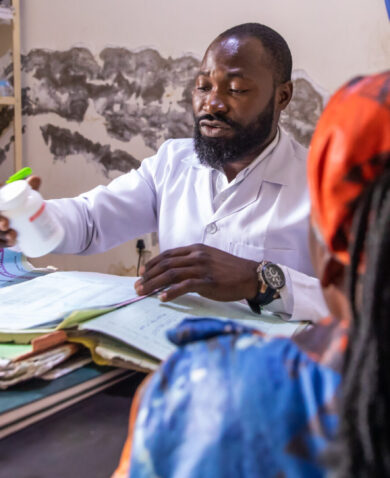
{"x":233,"y":101}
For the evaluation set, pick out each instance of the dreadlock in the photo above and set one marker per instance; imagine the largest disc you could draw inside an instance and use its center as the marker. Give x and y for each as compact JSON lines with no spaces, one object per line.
{"x":364,"y":438}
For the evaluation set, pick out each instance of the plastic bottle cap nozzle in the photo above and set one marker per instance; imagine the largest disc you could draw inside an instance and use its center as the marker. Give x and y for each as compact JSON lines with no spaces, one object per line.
{"x":13,"y":194}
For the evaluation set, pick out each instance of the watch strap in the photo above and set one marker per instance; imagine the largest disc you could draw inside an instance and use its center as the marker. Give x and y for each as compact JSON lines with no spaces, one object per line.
{"x":266,"y":294}
{"x":261,"y":298}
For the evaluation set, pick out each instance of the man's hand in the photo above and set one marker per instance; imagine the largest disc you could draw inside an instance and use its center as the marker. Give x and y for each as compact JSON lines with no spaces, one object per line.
{"x":198,"y":268}
{"x":7,"y":235}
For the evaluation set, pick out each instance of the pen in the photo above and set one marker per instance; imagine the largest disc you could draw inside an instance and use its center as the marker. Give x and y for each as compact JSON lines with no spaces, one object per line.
{"x":21,"y":174}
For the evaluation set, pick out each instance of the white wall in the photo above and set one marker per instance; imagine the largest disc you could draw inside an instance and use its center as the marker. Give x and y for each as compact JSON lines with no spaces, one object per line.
{"x":331,"y":40}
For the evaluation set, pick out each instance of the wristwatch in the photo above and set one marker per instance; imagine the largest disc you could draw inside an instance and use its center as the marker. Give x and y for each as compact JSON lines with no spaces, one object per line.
{"x":270,"y":280}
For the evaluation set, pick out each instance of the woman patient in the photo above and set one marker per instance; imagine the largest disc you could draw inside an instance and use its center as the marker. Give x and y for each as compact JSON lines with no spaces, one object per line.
{"x":234,"y":403}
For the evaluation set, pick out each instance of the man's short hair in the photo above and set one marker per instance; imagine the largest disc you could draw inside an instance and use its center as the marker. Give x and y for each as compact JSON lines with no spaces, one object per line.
{"x":273,"y":43}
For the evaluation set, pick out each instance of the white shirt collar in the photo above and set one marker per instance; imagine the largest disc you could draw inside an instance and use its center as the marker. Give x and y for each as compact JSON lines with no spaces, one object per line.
{"x":266,"y":152}
{"x":193,"y":160}
{"x":222,"y":189}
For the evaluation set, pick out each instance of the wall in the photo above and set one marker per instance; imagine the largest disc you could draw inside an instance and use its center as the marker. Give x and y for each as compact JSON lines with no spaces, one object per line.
{"x":105,"y":82}
{"x":332,"y":40}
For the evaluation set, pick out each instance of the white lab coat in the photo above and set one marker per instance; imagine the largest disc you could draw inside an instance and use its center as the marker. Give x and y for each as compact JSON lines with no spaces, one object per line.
{"x":265,"y":218}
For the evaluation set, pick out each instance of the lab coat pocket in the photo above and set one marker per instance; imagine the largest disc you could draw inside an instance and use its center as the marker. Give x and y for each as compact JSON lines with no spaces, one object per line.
{"x":285,"y":257}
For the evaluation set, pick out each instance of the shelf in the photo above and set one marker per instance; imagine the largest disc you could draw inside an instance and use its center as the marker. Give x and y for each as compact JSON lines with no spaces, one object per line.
{"x":6,"y":14}
{"x":7,"y":100}
{"x":11,"y":9}
{"x":10,"y":12}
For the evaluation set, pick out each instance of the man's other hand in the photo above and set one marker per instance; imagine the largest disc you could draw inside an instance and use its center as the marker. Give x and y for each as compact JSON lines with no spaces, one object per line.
{"x":7,"y":235}
{"x":199,"y":268}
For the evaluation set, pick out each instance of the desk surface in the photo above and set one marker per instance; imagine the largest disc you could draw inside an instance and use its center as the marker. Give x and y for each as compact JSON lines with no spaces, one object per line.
{"x":83,"y":440}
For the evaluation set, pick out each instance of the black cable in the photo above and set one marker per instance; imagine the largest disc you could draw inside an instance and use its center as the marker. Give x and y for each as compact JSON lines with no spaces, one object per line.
{"x":140,"y":245}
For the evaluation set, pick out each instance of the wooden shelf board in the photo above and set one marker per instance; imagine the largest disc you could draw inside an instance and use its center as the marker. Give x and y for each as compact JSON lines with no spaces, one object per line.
{"x":7,"y":100}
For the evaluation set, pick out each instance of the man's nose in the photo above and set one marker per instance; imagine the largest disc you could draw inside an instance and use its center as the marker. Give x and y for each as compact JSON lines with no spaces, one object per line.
{"x":215,"y":103}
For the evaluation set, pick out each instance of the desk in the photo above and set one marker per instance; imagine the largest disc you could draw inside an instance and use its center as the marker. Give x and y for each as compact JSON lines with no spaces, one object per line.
{"x":84,"y":440}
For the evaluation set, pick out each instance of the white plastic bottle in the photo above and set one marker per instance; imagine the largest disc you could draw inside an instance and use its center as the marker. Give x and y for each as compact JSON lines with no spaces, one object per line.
{"x":38,"y":232}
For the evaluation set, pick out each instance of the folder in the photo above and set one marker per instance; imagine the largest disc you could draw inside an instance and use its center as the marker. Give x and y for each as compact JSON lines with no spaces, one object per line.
{"x":29,"y":402}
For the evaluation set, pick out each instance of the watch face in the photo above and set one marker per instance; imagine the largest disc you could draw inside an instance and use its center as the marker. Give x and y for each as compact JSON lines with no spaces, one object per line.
{"x":273,"y":276}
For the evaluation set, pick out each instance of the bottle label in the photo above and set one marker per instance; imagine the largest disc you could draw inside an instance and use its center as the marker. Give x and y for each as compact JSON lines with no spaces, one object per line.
{"x":42,"y":220}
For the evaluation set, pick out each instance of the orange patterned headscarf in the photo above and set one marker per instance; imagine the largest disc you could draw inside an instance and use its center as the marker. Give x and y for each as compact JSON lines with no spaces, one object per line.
{"x":349,"y":150}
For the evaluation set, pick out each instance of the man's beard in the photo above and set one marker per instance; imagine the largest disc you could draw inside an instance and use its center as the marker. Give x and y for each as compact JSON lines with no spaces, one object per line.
{"x":216,"y":152}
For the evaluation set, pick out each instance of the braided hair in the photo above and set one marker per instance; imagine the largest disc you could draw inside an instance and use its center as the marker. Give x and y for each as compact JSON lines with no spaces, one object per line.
{"x":364,"y":438}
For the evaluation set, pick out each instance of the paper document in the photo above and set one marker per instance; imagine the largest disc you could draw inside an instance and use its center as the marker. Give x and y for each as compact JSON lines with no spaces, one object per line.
{"x":13,"y":372}
{"x":49,"y":298}
{"x":13,"y":351}
{"x":87,"y":303}
{"x":144,"y":324}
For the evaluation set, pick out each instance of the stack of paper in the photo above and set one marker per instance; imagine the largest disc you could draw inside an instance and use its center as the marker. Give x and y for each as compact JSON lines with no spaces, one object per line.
{"x":6,"y":14}
{"x":15,"y":371}
{"x":104,"y":313}
{"x":32,"y":353}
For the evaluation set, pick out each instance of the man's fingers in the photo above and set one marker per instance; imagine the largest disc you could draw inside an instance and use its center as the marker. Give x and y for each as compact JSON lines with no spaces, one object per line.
{"x":7,"y":235}
{"x":8,"y":238}
{"x":173,"y":254}
{"x":166,"y":279}
{"x":34,"y":182}
{"x":4,"y":224}
{"x":11,"y":238}
{"x":176,"y":290}
{"x":168,"y":266}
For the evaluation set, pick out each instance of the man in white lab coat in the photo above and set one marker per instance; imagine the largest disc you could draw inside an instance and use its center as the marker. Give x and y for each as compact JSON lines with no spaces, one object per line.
{"x":230,"y":205}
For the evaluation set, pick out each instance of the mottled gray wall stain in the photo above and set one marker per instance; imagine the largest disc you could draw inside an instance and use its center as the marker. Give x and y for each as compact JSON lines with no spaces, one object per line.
{"x":6,"y":118}
{"x":134,"y":93}
{"x":63,"y":142}
{"x":4,"y":151}
{"x":63,"y":82}
{"x":304,"y":109}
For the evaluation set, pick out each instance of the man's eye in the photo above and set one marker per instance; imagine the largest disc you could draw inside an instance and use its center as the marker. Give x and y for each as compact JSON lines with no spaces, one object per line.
{"x":236,"y":90}
{"x":202,"y":88}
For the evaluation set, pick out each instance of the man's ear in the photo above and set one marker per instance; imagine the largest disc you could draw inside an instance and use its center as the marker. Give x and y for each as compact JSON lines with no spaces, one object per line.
{"x":284,"y":93}
{"x":332,"y":272}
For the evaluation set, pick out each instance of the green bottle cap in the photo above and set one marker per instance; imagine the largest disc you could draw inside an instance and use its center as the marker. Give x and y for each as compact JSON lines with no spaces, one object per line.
{"x":21,"y":174}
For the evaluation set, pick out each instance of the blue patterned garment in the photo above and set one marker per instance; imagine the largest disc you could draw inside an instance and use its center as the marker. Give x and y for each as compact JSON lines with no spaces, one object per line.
{"x":239,"y":404}
{"x":14,"y":268}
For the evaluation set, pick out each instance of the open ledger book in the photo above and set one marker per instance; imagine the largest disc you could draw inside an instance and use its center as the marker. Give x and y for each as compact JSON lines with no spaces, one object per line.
{"x":104,"y":313}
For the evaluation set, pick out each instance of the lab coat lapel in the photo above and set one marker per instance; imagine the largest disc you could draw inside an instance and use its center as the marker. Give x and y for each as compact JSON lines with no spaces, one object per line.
{"x":203,"y":187}
{"x":246,"y":193}
{"x":279,"y":167}
{"x":273,"y":169}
